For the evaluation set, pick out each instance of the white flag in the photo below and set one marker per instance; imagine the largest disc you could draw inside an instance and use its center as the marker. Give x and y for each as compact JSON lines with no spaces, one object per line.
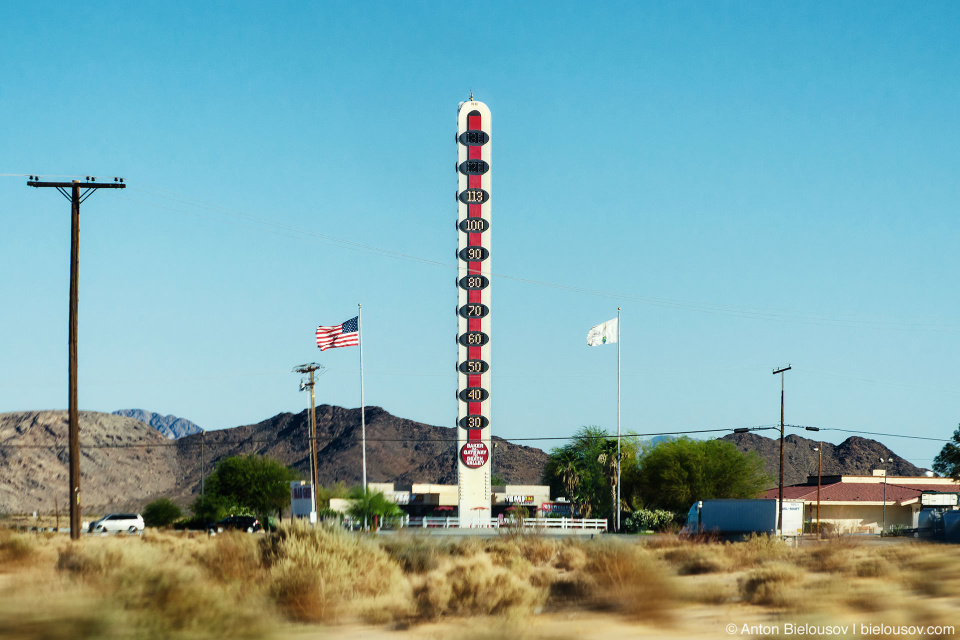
{"x":602,"y":333}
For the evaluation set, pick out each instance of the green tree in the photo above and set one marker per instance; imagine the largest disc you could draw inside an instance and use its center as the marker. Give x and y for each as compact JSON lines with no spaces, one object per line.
{"x":209,"y":508}
{"x":947,"y":462}
{"x":610,"y":464}
{"x":674,"y":474}
{"x":161,"y":513}
{"x":582,"y":470}
{"x":366,"y":505}
{"x":252,"y":485}
{"x":337,"y":490}
{"x":567,"y":468}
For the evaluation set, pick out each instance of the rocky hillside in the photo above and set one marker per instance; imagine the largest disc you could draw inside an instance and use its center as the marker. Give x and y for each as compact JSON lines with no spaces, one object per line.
{"x":122,"y":462}
{"x":398,"y":450}
{"x":170,"y":426}
{"x":853,"y":456}
{"x":125,"y":463}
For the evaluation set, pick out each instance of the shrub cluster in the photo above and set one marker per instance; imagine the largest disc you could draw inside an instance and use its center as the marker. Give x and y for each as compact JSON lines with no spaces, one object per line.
{"x":187,"y":585}
{"x":650,"y":520}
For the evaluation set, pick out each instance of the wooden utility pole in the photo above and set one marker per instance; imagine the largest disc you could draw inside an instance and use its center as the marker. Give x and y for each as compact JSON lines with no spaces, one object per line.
{"x":780,"y":495}
{"x":314,"y":475}
{"x":75,"y":197}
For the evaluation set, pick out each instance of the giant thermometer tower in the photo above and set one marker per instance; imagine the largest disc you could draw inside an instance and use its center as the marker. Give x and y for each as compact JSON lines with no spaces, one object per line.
{"x":473,"y":312}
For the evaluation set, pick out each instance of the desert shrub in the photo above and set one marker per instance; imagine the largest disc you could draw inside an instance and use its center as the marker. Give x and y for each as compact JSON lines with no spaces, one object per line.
{"x":570,"y":590}
{"x":663,"y":542}
{"x":16,"y":548}
{"x":62,"y":617}
{"x":466,"y":548}
{"x":520,"y":551}
{"x":650,"y":519}
{"x":414,"y":554}
{"x":537,"y":549}
{"x":161,"y":590}
{"x":171,"y":598}
{"x":758,"y":550}
{"x":769,"y":585}
{"x":709,"y":592}
{"x":232,"y":556}
{"x":474,"y":586}
{"x":873,"y":568}
{"x":934,"y":571}
{"x":90,"y":560}
{"x":703,"y":561}
{"x":896,"y":531}
{"x":629,"y":580}
{"x":161,"y":513}
{"x":317,"y":573}
{"x":901,"y":554}
{"x":870,"y":597}
{"x":326,"y":513}
{"x":571,"y":557}
{"x":829,"y":558}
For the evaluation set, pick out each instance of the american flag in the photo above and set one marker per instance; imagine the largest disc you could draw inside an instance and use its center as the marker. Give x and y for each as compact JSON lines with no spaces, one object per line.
{"x":341,"y":335}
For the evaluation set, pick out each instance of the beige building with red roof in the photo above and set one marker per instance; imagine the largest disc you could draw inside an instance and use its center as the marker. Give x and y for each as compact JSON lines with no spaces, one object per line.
{"x":855,"y":504}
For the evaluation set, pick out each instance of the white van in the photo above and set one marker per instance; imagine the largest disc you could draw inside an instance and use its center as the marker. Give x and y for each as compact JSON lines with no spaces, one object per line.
{"x":131,"y":523}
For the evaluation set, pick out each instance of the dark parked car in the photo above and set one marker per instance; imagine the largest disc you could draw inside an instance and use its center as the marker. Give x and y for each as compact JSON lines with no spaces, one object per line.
{"x":236,"y":523}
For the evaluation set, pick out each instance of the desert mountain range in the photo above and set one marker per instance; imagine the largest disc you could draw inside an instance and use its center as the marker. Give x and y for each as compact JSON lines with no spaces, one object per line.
{"x":170,"y":426}
{"x":853,"y":456}
{"x":126,"y":463}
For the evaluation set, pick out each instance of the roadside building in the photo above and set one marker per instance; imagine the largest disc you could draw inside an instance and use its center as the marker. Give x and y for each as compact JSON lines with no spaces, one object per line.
{"x":440,"y":500}
{"x":863,"y":504}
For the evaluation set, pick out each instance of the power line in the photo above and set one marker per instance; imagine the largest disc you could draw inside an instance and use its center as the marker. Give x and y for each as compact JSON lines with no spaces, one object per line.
{"x":253,"y":441}
{"x":183,"y":444}
{"x":873,"y":433}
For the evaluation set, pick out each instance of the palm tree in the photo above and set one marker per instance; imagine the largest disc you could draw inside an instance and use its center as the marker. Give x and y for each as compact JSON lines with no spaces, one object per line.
{"x":611,"y":469}
{"x":366,"y":505}
{"x":568,"y":468}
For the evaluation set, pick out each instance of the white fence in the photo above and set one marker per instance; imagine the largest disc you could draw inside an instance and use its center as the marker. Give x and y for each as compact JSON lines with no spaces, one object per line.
{"x":599,"y":524}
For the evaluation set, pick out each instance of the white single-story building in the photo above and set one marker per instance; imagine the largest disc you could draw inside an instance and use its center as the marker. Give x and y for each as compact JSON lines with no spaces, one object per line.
{"x":864,"y":504}
{"x":438,"y":500}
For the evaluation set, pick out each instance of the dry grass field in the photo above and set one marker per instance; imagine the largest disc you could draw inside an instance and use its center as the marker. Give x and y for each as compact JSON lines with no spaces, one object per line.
{"x":305,"y":583}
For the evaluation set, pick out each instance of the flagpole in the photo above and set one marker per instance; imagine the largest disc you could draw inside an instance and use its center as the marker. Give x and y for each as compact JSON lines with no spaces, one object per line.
{"x":363,"y":417}
{"x":618,"y":420}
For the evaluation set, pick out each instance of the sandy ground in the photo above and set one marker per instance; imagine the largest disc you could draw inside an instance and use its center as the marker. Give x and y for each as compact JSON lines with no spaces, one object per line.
{"x":697,"y":623}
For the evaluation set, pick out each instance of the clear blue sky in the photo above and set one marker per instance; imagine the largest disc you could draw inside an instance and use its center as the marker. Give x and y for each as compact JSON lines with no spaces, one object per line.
{"x":755,"y":184}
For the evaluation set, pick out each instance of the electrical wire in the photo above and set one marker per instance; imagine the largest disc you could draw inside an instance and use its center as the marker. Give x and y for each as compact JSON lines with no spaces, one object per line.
{"x":181,"y":443}
{"x":250,"y":441}
{"x":869,"y":433}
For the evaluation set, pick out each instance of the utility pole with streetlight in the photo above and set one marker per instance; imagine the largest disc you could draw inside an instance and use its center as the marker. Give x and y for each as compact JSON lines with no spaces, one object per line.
{"x":819,"y":450}
{"x":883,"y":527}
{"x":780,"y":492}
{"x":314,"y":475}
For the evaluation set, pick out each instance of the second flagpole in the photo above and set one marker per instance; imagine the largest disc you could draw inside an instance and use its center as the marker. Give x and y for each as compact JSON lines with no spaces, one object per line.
{"x":618,"y":420}
{"x":363,"y":418}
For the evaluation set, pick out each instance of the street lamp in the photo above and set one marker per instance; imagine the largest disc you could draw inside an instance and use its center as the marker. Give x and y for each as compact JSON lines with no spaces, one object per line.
{"x":883,"y":528}
{"x":819,"y":450}
{"x":780,"y":494}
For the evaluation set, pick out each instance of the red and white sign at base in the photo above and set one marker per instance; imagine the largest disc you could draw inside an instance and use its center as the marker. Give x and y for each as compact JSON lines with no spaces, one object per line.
{"x":474,"y":454}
